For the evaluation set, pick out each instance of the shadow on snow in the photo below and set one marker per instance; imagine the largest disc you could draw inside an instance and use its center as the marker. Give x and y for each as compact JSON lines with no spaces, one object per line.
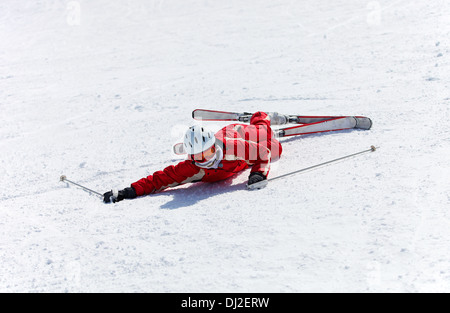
{"x":196,"y":192}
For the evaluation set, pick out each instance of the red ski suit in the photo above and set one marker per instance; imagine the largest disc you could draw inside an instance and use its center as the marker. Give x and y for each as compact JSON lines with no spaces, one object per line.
{"x":243,"y":146}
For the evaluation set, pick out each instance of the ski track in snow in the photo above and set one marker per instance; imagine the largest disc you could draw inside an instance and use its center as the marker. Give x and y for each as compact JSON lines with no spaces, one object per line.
{"x":99,"y":91}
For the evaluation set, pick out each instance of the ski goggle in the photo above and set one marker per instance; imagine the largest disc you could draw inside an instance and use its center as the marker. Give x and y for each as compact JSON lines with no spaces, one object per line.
{"x":205,"y":155}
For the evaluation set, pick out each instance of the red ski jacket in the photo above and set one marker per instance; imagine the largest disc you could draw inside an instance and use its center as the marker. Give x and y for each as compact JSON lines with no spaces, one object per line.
{"x":243,"y":146}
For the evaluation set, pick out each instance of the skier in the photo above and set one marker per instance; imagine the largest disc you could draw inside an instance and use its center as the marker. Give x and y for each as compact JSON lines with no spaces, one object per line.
{"x":214,"y":157}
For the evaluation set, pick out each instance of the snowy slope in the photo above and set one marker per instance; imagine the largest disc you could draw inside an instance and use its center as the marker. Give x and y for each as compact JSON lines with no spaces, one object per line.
{"x":100,"y":90}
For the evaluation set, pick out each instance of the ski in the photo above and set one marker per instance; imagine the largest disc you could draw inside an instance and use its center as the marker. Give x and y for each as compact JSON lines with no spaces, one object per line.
{"x":362,"y":122}
{"x":332,"y":124}
{"x":210,"y":115}
{"x":178,"y":149}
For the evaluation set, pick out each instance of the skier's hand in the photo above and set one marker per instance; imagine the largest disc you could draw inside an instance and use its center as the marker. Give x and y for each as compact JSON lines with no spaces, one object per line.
{"x":111,"y":196}
{"x":118,"y":195}
{"x":255,"y":177}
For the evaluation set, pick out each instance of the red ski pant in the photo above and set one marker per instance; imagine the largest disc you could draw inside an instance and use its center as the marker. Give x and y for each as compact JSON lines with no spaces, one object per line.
{"x":259,"y":131}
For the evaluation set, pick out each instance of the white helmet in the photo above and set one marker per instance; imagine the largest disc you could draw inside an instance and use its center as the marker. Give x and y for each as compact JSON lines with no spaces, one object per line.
{"x":198,"y":139}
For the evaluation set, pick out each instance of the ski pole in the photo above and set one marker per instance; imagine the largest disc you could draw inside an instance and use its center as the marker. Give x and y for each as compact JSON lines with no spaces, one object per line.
{"x":63,"y":178}
{"x":264,"y":183}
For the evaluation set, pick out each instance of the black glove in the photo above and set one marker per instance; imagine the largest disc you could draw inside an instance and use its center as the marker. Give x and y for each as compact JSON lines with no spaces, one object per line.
{"x":116,"y":196}
{"x":255,"y":177}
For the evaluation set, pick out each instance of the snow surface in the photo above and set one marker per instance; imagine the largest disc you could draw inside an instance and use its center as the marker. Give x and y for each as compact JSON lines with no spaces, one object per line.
{"x":101,"y":90}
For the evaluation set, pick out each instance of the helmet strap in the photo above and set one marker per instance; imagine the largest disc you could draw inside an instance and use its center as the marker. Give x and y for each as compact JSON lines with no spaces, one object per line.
{"x":214,"y":161}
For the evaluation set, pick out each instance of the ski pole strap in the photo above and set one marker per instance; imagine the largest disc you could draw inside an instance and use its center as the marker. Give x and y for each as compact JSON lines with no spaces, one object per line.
{"x":63,"y":178}
{"x":265,"y":182}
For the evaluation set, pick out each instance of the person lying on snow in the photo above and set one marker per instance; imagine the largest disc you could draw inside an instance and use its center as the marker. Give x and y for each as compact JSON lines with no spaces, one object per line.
{"x":214,"y":157}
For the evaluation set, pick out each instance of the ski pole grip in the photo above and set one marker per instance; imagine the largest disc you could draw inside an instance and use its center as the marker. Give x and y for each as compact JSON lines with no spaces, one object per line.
{"x":63,"y":178}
